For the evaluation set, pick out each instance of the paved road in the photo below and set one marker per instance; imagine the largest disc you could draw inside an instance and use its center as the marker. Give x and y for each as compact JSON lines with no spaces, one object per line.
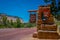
{"x":15,"y":33}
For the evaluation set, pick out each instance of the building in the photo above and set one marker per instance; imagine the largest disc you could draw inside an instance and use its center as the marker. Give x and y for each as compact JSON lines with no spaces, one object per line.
{"x":13,"y":18}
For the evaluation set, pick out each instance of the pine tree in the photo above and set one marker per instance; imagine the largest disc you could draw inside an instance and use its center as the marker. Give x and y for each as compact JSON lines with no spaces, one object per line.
{"x":53,"y":7}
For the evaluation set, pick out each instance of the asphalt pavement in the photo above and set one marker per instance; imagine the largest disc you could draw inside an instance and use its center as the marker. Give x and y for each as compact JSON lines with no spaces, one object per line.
{"x":15,"y":33}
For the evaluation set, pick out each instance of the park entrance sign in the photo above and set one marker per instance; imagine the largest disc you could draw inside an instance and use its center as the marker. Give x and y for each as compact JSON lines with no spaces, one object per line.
{"x":46,"y":27}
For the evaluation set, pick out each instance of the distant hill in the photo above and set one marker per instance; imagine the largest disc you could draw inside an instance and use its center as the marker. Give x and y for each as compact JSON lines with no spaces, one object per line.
{"x":9,"y":17}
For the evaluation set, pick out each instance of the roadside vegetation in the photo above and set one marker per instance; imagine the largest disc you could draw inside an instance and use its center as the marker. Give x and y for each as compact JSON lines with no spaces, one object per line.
{"x":10,"y":24}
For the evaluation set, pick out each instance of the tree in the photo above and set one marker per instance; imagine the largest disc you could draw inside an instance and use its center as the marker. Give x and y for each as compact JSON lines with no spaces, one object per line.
{"x":47,"y":1}
{"x":11,"y":22}
{"x":29,"y":25}
{"x":4,"y":19}
{"x":53,"y":7}
{"x":18,"y":22}
{"x":22,"y":25}
{"x":8,"y":24}
{"x":14,"y":25}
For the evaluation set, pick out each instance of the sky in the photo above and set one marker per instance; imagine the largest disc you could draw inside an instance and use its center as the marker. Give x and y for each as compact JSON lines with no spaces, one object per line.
{"x":20,"y":7}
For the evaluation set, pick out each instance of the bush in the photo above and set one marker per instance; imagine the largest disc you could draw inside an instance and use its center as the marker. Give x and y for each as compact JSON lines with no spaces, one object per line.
{"x":22,"y":25}
{"x":29,"y":25}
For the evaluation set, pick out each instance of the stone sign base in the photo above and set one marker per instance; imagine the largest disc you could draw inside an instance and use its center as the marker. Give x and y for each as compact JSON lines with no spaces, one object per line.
{"x":52,"y":27}
{"x":47,"y":34}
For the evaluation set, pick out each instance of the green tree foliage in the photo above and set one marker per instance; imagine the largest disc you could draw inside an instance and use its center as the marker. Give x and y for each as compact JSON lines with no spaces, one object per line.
{"x":18,"y":23}
{"x":53,"y":7}
{"x":22,"y":25}
{"x":4,"y":19}
{"x":58,"y":17}
{"x":14,"y":25}
{"x":11,"y":22}
{"x":8,"y":24}
{"x":29,"y":25}
{"x":8,"y":21}
{"x":47,"y":1}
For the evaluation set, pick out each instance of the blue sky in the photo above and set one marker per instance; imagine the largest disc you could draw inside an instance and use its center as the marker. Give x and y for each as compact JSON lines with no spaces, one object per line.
{"x":19,"y":7}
